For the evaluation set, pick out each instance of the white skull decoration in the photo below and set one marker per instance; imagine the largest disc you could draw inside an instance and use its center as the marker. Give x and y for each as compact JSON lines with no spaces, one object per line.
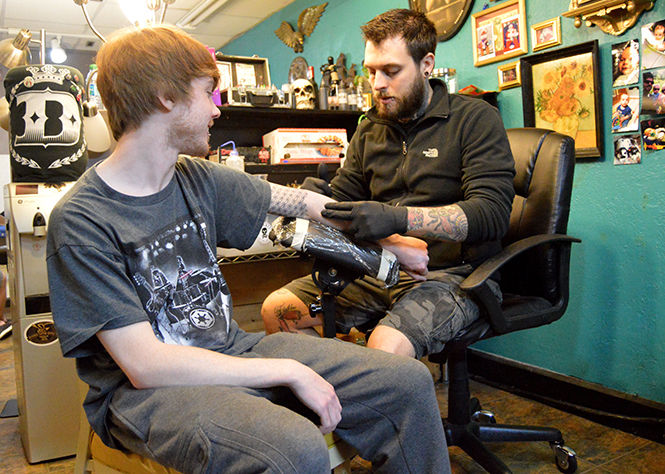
{"x":303,"y":91}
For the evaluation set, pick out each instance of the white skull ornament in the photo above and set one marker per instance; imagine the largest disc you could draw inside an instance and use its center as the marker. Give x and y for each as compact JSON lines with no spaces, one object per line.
{"x":303,"y":90}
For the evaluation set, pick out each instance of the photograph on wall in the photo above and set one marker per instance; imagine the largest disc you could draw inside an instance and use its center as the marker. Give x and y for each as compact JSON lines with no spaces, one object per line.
{"x":653,"y":134}
{"x":625,"y":63}
{"x":653,"y":45}
{"x":627,"y":150}
{"x":546,"y":34}
{"x":653,"y":92}
{"x":561,"y":92}
{"x":509,"y":75}
{"x":625,"y":106}
{"x":486,"y":42}
{"x":499,"y":32}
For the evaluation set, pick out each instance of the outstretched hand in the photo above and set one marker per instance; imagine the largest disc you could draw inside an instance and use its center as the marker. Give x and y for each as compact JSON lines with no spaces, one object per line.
{"x":369,"y":220}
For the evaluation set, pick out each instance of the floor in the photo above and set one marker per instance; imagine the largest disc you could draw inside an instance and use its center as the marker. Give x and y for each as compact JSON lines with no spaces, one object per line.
{"x":599,"y":449}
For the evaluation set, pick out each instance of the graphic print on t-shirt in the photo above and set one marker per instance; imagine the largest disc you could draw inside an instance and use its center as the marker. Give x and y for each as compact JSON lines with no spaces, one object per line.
{"x":181,"y":287}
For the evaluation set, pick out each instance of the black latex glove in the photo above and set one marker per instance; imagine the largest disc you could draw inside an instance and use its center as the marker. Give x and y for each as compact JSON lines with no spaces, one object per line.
{"x":370,"y":220}
{"x":316,"y":185}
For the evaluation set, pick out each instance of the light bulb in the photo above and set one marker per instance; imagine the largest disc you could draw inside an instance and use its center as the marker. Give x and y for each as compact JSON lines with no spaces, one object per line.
{"x":58,"y":55}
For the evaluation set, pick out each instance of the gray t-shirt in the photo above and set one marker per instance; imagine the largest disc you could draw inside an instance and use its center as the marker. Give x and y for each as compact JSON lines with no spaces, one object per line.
{"x":115,"y":260}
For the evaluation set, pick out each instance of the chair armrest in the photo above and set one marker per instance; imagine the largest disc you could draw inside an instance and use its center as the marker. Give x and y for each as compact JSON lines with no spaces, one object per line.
{"x":486,"y":269}
{"x":476,"y":285}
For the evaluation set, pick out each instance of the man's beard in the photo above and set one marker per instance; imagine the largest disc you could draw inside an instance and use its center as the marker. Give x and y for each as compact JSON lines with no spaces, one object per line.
{"x":187,"y":139}
{"x":404,"y":108}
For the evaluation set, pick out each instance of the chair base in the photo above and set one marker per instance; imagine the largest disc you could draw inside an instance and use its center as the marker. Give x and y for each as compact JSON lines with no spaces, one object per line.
{"x":470,"y":437}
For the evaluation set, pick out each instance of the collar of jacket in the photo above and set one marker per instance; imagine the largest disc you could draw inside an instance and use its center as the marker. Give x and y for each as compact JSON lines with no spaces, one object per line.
{"x":439,"y":106}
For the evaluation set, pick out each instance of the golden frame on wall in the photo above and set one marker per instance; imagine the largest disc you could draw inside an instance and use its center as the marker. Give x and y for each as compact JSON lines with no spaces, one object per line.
{"x":509,"y":75}
{"x":499,"y":33}
{"x":546,"y":34}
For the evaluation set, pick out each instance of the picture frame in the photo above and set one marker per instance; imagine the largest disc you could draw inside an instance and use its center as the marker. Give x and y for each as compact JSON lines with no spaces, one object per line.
{"x":499,"y":33}
{"x":546,"y":34}
{"x":509,"y":75}
{"x":561,"y":91}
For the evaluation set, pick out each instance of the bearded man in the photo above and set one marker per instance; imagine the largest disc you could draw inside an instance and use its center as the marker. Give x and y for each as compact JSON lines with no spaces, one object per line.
{"x":425,"y":164}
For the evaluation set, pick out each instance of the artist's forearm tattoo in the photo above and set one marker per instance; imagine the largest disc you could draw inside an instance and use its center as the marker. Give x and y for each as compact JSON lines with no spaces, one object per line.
{"x":288,"y":202}
{"x":446,"y":223}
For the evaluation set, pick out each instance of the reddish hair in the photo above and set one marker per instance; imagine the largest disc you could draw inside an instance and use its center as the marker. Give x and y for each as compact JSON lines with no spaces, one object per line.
{"x":137,"y":66}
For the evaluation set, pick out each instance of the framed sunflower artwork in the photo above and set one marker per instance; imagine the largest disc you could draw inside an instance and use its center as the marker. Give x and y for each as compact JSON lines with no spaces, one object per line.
{"x":561,"y":91}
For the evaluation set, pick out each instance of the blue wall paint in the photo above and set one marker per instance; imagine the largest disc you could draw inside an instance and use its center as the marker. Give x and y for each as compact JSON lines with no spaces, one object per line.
{"x":614,"y":330}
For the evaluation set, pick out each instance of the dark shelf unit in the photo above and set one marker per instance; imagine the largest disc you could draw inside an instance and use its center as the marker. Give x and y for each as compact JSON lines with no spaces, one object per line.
{"x":247,"y":125}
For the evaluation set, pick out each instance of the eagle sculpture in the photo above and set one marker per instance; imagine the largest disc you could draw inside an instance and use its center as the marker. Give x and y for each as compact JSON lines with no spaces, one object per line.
{"x":306,"y":23}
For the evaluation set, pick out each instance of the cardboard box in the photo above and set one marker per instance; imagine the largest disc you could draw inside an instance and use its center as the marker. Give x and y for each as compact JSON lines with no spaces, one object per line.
{"x":306,"y":145}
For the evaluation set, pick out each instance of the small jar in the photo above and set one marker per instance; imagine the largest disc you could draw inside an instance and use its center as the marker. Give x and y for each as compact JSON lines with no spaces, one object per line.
{"x":449,"y":76}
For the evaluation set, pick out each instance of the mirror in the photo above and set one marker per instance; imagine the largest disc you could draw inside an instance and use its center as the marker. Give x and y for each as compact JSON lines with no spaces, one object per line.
{"x":447,"y":15}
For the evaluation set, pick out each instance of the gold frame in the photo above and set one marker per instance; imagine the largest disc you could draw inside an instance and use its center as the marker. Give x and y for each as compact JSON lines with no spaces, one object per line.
{"x":555,"y":24}
{"x":503,"y":84}
{"x":492,"y":16}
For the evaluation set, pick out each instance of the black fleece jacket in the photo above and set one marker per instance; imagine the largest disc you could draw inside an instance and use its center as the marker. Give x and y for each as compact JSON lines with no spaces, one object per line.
{"x":456,"y":152}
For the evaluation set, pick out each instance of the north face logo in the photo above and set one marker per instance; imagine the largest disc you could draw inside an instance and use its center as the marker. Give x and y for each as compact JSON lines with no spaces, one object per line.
{"x":431,"y":153}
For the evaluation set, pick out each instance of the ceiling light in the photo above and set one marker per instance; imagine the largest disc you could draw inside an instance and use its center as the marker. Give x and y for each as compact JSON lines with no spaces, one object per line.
{"x":138,"y":12}
{"x":58,"y":55}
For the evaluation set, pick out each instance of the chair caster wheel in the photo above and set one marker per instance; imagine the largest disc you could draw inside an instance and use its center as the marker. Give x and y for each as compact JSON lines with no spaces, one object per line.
{"x":565,"y":458}
{"x":484,"y":417}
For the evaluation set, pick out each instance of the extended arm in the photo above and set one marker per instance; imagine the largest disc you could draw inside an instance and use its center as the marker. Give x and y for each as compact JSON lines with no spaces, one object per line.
{"x":294,"y":202}
{"x":149,"y":363}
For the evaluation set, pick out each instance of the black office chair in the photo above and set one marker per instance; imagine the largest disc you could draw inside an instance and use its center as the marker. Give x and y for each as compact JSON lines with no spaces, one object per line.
{"x":534,"y":267}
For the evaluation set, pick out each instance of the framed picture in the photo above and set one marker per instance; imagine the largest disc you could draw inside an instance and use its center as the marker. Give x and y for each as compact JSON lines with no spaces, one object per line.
{"x":546,"y":34}
{"x":561,"y":92}
{"x":499,"y":32}
{"x":509,"y":75}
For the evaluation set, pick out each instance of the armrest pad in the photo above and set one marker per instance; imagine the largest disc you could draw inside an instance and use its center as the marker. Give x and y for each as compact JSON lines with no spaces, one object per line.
{"x":486,"y":269}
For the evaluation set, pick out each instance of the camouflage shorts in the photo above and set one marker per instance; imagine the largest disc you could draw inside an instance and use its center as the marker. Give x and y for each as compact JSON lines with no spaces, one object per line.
{"x":428,"y":313}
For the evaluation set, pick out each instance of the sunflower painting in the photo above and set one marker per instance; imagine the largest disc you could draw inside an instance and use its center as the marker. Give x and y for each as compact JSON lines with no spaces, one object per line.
{"x":563,"y":98}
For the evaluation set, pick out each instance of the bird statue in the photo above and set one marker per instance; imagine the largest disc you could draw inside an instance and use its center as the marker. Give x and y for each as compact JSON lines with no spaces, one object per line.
{"x":306,"y":23}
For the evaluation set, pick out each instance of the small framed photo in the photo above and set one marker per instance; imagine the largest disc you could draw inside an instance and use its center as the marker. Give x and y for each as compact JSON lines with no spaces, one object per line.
{"x":627,"y":150}
{"x":546,"y":34}
{"x":499,"y":32}
{"x":509,"y":75}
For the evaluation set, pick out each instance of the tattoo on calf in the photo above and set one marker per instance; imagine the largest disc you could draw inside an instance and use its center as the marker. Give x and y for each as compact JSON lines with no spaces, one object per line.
{"x":288,"y":202}
{"x":288,"y":315}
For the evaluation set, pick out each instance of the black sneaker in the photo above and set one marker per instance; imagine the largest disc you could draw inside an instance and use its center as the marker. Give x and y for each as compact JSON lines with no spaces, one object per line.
{"x":5,"y":329}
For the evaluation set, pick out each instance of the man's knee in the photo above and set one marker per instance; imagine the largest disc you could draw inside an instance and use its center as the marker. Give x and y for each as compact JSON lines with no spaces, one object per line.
{"x":391,"y":340}
{"x":283,"y":311}
{"x":290,"y":447}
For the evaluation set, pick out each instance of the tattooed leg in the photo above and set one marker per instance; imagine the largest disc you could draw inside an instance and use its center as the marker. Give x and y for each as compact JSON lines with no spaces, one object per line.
{"x":282,"y":311}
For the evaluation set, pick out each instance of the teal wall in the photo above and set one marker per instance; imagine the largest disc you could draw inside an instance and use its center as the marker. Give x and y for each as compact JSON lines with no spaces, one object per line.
{"x":614,"y":330}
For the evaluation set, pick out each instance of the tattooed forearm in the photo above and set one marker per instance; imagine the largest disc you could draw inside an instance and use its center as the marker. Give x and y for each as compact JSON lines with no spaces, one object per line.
{"x":288,"y":202}
{"x":444,"y":223}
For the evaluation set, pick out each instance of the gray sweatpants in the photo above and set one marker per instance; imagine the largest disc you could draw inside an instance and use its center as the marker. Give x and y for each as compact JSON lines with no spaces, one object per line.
{"x":389,"y":414}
